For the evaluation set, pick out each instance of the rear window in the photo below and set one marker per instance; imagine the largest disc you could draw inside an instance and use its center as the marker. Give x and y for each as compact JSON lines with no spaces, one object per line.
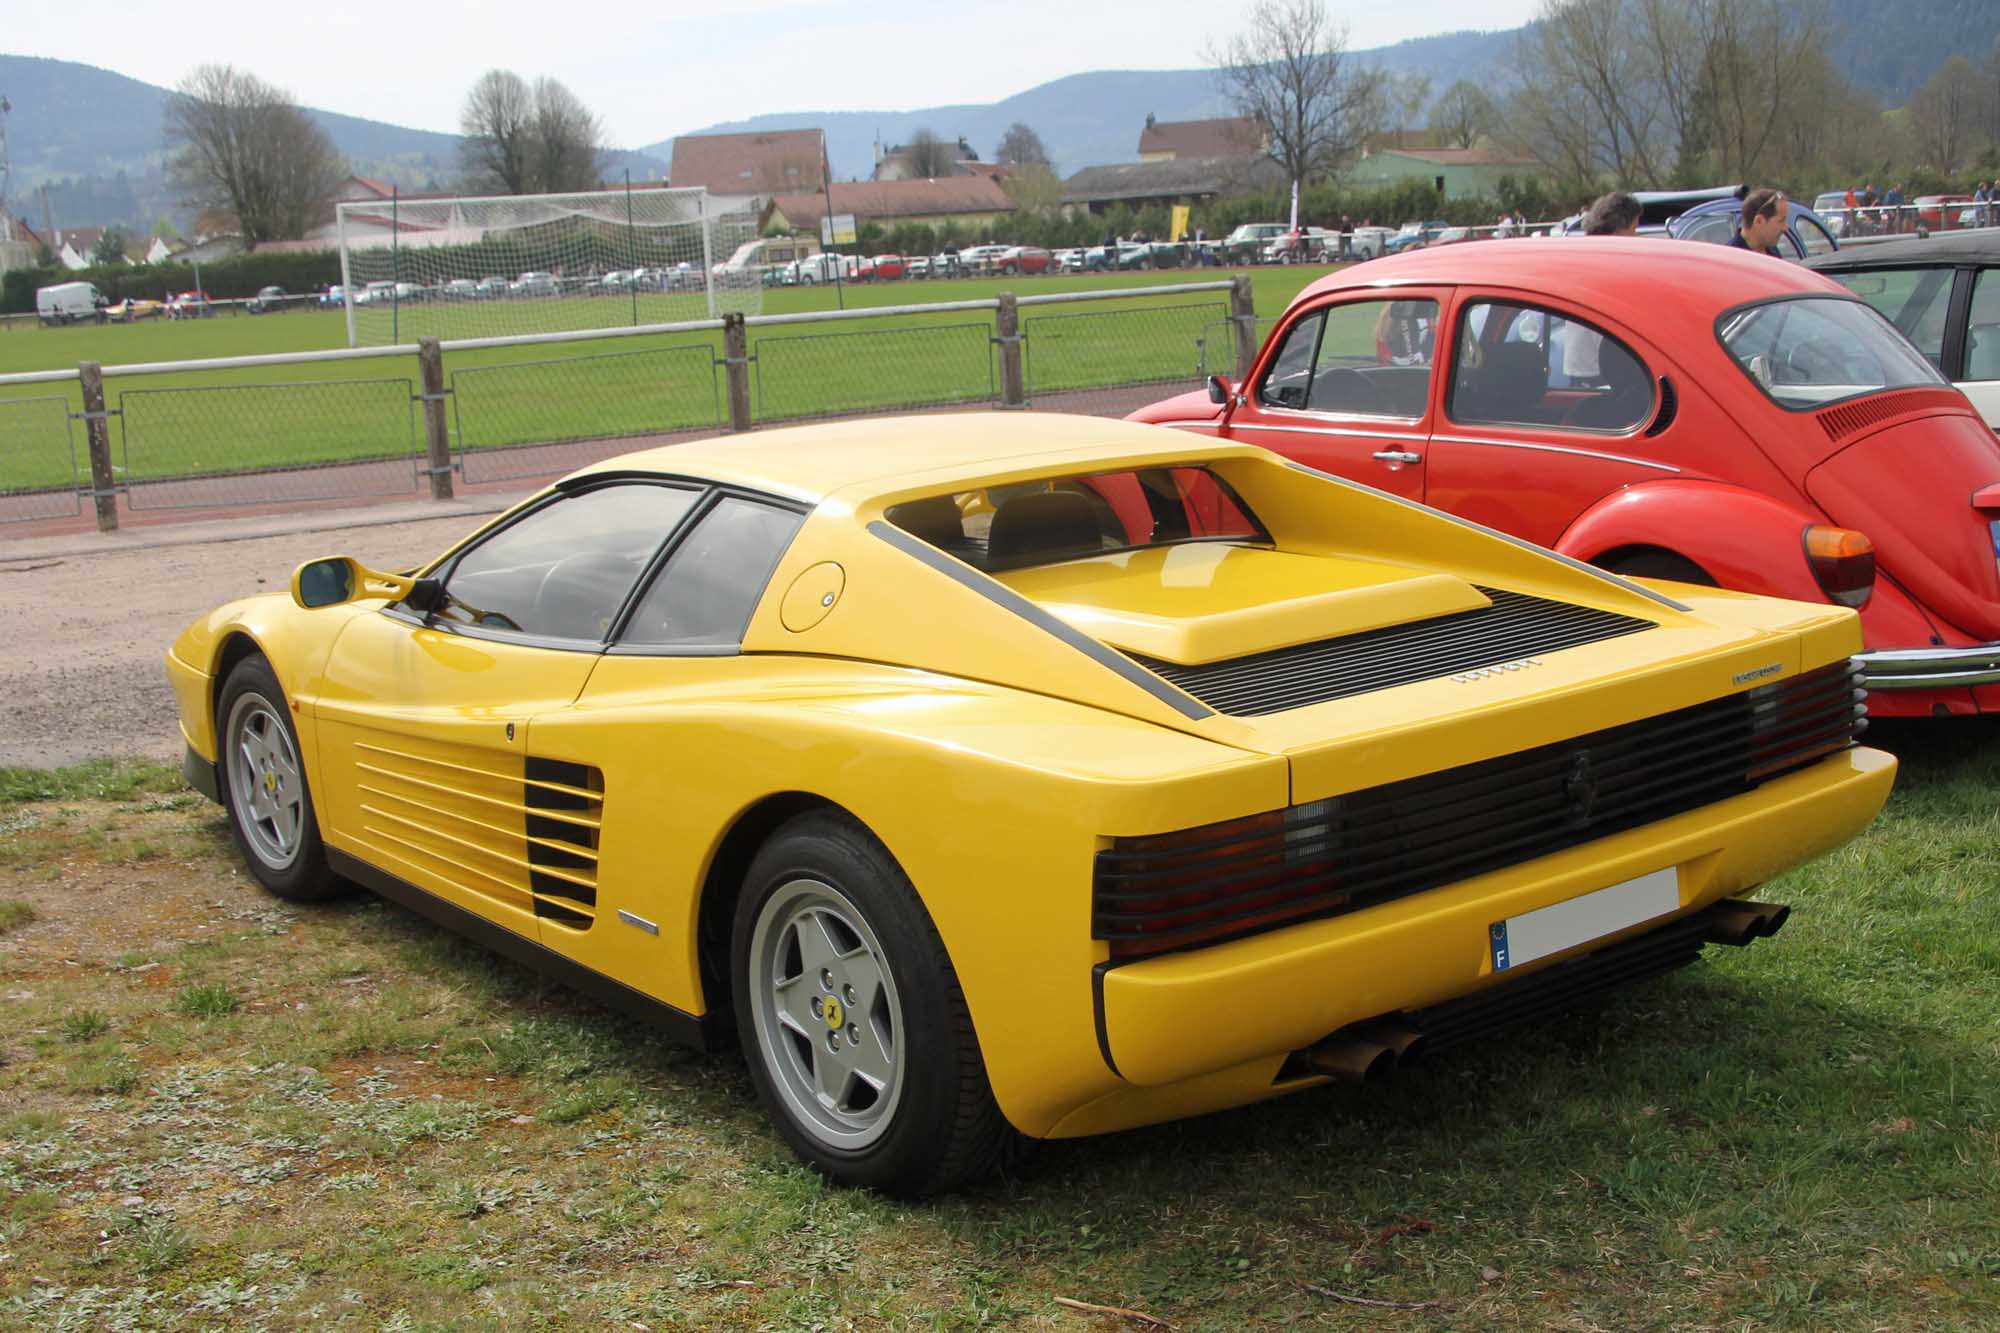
{"x":1042,"y":522}
{"x":1807,"y":353}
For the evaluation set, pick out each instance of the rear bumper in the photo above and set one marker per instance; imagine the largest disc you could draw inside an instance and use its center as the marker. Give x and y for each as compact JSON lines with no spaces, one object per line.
{"x":1930,"y":668}
{"x":1182,"y":1016}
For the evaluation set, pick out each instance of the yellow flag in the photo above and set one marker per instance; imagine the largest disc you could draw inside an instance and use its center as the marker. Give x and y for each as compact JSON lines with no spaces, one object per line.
{"x":1180,"y":222}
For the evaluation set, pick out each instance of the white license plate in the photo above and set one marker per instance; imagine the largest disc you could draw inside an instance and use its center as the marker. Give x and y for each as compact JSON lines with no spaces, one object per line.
{"x":1564,"y":925}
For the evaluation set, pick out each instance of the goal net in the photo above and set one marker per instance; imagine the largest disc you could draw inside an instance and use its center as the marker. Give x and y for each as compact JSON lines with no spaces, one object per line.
{"x":544,"y":263}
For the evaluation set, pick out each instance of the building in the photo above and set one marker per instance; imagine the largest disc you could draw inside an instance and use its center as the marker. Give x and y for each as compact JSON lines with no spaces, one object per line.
{"x":772,"y":162}
{"x":897,"y":163}
{"x":967,"y":201}
{"x":1452,"y":172}
{"x":1169,"y":140}
{"x":1166,"y":182}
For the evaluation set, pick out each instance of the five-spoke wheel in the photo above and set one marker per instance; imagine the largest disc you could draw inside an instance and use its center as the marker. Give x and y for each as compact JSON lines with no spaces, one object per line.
{"x":264,"y":785}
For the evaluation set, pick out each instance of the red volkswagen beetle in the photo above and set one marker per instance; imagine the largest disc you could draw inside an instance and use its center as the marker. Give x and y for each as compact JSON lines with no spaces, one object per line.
{"x":1666,"y":411}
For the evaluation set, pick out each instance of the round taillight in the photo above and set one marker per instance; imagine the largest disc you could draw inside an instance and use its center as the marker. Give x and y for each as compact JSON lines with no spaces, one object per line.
{"x":1843,"y":561}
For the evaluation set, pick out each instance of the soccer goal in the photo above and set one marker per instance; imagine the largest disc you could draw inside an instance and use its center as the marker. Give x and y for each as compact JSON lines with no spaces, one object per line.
{"x":543,"y":263}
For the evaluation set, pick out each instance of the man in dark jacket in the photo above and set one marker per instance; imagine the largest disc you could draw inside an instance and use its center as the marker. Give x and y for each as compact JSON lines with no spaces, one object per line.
{"x":1764,"y":216}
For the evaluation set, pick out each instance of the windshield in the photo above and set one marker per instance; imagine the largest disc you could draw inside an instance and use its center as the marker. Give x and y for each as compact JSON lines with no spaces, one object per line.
{"x":1043,"y":522}
{"x":1807,"y":353}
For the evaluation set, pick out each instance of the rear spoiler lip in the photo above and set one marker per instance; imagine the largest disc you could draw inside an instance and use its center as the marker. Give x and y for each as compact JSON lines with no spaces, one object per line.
{"x":1987,"y":499}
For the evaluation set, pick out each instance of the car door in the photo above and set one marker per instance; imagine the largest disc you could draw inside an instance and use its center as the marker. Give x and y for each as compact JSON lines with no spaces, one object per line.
{"x":1540,"y":416}
{"x":426,"y":722}
{"x":1346,"y":387}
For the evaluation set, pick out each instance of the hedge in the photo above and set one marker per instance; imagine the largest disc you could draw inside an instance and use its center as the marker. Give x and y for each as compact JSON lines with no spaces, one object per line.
{"x":223,"y":279}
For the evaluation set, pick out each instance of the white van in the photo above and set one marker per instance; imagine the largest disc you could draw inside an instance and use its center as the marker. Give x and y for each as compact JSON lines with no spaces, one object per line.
{"x":753,"y":257}
{"x":67,"y":302}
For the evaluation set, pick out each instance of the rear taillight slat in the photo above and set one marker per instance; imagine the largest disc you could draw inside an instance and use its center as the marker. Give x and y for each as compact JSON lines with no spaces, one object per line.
{"x":1202,"y":885}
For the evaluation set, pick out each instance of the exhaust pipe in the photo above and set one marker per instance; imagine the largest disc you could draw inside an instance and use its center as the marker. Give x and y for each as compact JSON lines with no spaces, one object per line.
{"x":1739,"y":921}
{"x":1405,"y":1044}
{"x":1348,"y":1058}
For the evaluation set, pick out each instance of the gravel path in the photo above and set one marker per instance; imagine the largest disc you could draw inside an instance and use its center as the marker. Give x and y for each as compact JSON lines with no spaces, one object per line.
{"x":84,"y":622}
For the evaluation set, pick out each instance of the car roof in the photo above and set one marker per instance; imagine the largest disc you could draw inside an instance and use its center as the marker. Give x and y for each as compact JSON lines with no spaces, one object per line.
{"x":882,"y":455}
{"x":1624,"y":277}
{"x":1952,"y":247}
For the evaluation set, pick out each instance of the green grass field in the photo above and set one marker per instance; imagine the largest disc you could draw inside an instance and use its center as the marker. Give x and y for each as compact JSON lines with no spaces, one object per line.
{"x":220,"y":1111}
{"x":253,"y":419}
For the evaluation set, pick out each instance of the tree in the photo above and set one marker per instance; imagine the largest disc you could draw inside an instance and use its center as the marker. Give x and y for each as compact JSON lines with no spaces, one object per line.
{"x":1463,"y":115}
{"x":1033,"y":188}
{"x":239,"y":145}
{"x":528,"y":139}
{"x":930,"y":156}
{"x":1945,"y":113}
{"x":1021,"y":145}
{"x":1287,"y":69}
{"x":110,"y":247}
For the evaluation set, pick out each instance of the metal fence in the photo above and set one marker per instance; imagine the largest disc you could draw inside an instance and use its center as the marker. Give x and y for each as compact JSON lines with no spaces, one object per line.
{"x":802,"y":375}
{"x":581,"y":396}
{"x":192,"y":448}
{"x":39,"y":468}
{"x":505,"y":416}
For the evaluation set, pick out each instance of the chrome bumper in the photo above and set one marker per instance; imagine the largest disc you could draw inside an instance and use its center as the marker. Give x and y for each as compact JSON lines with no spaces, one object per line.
{"x":1930,"y":668}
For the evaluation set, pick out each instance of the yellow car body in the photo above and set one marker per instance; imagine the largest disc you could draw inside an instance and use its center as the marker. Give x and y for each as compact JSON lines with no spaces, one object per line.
{"x":1006,"y":734}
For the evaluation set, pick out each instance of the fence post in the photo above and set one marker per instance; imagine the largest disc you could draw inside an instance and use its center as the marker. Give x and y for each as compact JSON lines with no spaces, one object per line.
{"x":736,"y":365}
{"x":437,"y":431}
{"x":1007,"y":332}
{"x":97,"y":425}
{"x":1243,"y":316}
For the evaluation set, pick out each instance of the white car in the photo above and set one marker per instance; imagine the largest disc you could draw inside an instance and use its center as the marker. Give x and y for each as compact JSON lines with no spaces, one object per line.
{"x":534,"y":283}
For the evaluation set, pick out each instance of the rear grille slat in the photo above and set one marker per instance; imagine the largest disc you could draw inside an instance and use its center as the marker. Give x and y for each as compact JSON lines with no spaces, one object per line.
{"x":564,"y":804}
{"x":1514,"y":627}
{"x":1383,"y":843}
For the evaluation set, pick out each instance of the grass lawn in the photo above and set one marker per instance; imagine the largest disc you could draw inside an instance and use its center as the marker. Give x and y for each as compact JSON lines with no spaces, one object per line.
{"x":256,"y":418}
{"x":220,"y":1111}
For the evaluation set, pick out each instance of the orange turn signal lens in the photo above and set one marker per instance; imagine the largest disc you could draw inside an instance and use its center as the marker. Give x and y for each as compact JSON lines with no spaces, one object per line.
{"x":1843,"y":561}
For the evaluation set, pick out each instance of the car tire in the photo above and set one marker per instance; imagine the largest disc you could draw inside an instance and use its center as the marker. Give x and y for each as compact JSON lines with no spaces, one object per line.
{"x":1653,"y":563}
{"x":263,"y":787}
{"x":841,"y":982}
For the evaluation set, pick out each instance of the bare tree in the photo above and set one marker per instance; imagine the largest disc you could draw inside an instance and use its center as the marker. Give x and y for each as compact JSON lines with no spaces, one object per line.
{"x":1586,"y":108}
{"x":1758,"y":53}
{"x":930,"y":156}
{"x":241,"y":146}
{"x":522,"y":139}
{"x":1463,"y":114}
{"x":1287,"y":68}
{"x":1945,"y":113}
{"x":1020,"y":145}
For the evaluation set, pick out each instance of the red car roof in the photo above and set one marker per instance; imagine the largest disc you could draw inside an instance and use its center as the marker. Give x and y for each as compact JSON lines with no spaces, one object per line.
{"x":1628,"y":278}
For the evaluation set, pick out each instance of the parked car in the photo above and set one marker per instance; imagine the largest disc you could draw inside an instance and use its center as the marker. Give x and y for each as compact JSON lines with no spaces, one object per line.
{"x":1716,"y":215}
{"x":979,"y":259}
{"x":1103,"y":801}
{"x":491,"y":288}
{"x":335,"y":295}
{"x":1369,"y":242}
{"x":266,"y":300}
{"x":460,"y":289}
{"x":189,"y":305}
{"x":376,"y":293}
{"x":1030,"y":259}
{"x":1932,"y":209}
{"x":533,"y":283}
{"x":1943,"y":293}
{"x":1831,"y":208}
{"x":1245,"y":245}
{"x":1413,"y":236}
{"x":812,"y":270}
{"x":1708,"y":418}
{"x":889,"y":267}
{"x":1312,"y":245}
{"x":69,"y":302}
{"x":132,"y":308}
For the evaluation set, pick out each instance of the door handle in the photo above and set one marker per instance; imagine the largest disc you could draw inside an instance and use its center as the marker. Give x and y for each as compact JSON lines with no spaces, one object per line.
{"x":1399,"y":456}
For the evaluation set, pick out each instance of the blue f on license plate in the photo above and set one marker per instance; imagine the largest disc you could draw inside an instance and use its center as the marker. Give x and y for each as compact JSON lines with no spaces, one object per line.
{"x":1564,"y":925}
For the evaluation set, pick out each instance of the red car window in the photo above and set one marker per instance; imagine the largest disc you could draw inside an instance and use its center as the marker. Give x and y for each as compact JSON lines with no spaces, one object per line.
{"x":1522,"y":365}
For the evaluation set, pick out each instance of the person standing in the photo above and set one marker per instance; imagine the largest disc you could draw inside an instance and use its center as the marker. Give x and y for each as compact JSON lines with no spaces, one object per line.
{"x":1614,"y":214}
{"x":1764,"y":218}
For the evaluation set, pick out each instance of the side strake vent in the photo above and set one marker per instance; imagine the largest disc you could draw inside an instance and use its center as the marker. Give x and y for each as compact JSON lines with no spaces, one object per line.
{"x":1515,"y":626}
{"x":1214,"y":882}
{"x":565,"y":802}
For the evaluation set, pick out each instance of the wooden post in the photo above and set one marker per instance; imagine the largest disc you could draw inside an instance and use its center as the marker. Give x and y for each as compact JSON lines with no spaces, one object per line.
{"x":1243,"y":316}
{"x":97,"y":425}
{"x":437,"y":430}
{"x":736,"y":365}
{"x":1007,"y":332}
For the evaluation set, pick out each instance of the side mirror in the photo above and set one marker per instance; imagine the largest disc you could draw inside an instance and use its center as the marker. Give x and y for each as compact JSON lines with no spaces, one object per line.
{"x":1218,"y":390}
{"x":338,"y":579}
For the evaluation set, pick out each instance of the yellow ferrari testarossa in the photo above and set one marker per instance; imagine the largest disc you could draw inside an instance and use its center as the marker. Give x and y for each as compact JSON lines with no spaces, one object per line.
{"x":1001,"y":777}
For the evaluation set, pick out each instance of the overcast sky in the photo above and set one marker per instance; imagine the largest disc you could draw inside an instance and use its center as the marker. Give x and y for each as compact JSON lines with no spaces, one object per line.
{"x":658,"y":68}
